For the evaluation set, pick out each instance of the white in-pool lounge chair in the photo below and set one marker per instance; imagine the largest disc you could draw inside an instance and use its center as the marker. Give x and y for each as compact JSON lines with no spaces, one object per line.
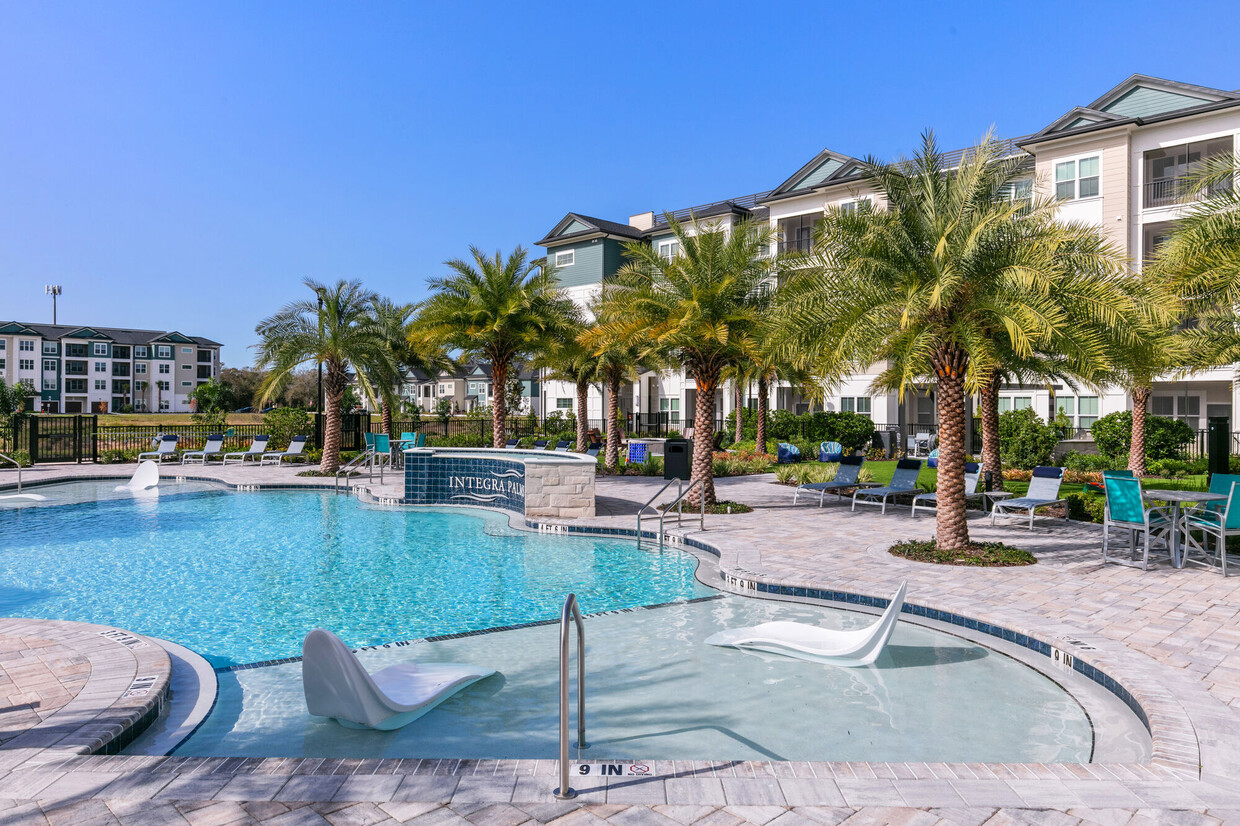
{"x":167,"y":449}
{"x":823,"y":645}
{"x":337,"y":685}
{"x":904,"y":480}
{"x":213,"y":447}
{"x":145,"y":477}
{"x":845,"y":479}
{"x":296,"y":446}
{"x":972,"y":475}
{"x":1043,"y":491}
{"x":257,"y":448}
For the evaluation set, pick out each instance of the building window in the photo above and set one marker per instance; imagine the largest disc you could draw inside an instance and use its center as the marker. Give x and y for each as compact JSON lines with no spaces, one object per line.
{"x":101,"y":384}
{"x":25,"y":364}
{"x":671,"y":407}
{"x":25,"y":346}
{"x":163,"y":351}
{"x":1,"y":362}
{"x":101,"y":349}
{"x":1185,"y":408}
{"x":49,"y":384}
{"x":925,"y":410}
{"x":1007,"y":403}
{"x":164,"y":405}
{"x":853,"y":206}
{"x":101,"y":367}
{"x":564,"y":404}
{"x":1169,"y":171}
{"x":3,"y":344}
{"x":163,"y":368}
{"x":565,"y":259}
{"x":49,"y":348}
{"x":139,"y":368}
{"x":163,"y":385}
{"x":75,"y":385}
{"x":139,"y":386}
{"x":858,"y":404}
{"x":187,"y":367}
{"x":140,"y":351}
{"x":187,"y":350}
{"x":49,"y":365}
{"x":669,"y":249}
{"x":1081,"y":411}
{"x":187,"y":384}
{"x":1077,"y":179}
{"x":796,"y":234}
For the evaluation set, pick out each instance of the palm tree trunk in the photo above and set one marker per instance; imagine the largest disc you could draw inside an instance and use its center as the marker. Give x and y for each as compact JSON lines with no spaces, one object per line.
{"x":1136,"y":451}
{"x":703,"y":436}
{"x":499,"y":406}
{"x":952,"y":527}
{"x":334,"y":383}
{"x":738,"y":399}
{"x":990,"y":430}
{"x":583,"y":395}
{"x":613,"y":422}
{"x":389,"y":426}
{"x":763,"y":405}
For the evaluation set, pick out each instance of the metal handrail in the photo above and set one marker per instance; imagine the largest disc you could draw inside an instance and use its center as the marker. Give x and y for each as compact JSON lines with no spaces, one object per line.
{"x":17,"y":465}
{"x":650,"y":504}
{"x":362,"y":457}
{"x":678,"y":503}
{"x":564,"y":791}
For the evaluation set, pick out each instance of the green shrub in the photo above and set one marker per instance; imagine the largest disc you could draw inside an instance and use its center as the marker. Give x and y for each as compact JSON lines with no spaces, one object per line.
{"x":653,"y":466}
{"x":852,"y":430}
{"x":1025,"y":441}
{"x":1092,"y":462}
{"x":1176,"y":468}
{"x":23,"y":458}
{"x":1085,"y":507}
{"x":1164,"y":438}
{"x":459,"y":440}
{"x":283,"y":423}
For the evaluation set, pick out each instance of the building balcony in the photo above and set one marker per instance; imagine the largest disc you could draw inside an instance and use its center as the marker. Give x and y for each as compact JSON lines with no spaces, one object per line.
{"x":797,"y":245}
{"x":1166,"y":192}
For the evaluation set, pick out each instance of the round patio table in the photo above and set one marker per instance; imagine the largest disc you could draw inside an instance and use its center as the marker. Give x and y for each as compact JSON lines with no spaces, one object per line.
{"x":1176,"y":498}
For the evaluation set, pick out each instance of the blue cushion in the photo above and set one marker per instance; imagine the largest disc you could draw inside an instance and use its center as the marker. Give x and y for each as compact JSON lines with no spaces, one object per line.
{"x":1048,"y":472}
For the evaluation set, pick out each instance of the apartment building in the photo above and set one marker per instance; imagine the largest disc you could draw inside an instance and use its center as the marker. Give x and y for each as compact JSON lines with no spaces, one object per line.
{"x":467,"y":387}
{"x":1119,"y":162}
{"x":73,"y":369}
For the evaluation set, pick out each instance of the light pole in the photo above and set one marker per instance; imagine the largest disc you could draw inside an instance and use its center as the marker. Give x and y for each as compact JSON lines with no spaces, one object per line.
{"x":53,"y":290}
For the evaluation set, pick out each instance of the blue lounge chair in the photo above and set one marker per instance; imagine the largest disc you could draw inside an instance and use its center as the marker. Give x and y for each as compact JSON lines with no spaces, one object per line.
{"x":562,"y":447}
{"x":258,"y":446}
{"x":845,"y":479}
{"x":972,"y":476}
{"x":511,"y":444}
{"x":165,"y":449}
{"x":787,"y":453}
{"x":1126,"y":511}
{"x":1043,"y":492}
{"x":903,"y":481}
{"x":933,"y":459}
{"x":830,"y":452}
{"x":213,"y":447}
{"x":294,"y":452}
{"x":593,"y":449}
{"x":541,"y":444}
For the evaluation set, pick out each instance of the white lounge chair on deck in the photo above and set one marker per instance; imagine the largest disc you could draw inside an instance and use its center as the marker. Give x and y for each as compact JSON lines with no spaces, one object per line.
{"x":166,"y":450}
{"x":903,"y":481}
{"x":258,"y":446}
{"x":824,"y":645}
{"x":337,"y":685}
{"x":1043,"y":491}
{"x":845,"y":479}
{"x":972,"y":476}
{"x":293,"y":453}
{"x":213,"y":447}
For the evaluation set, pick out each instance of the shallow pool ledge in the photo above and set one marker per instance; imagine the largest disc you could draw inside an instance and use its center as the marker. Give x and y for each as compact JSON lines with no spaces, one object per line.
{"x":528,"y":482}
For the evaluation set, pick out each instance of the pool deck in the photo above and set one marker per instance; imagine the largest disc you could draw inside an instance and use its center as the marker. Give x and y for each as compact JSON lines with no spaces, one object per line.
{"x":1170,"y":636}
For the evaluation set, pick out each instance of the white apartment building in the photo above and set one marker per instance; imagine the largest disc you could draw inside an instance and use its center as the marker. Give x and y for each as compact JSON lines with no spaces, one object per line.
{"x":72,"y":369}
{"x":1119,"y":162}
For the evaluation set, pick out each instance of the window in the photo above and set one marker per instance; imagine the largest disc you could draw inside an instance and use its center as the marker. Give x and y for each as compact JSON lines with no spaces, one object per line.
{"x":1007,"y":403}
{"x":442,"y":391}
{"x":163,"y":385}
{"x":564,"y":404}
{"x":163,"y":351}
{"x":1185,"y":408}
{"x":1077,"y":179}
{"x":187,"y":367}
{"x":859,"y":404}
{"x":101,"y":384}
{"x":164,"y":405}
{"x":2,"y":364}
{"x":139,"y":386}
{"x":101,"y":349}
{"x":797,"y":233}
{"x":25,"y":346}
{"x":853,"y":206}
{"x":75,"y":385}
{"x":925,"y":410}
{"x":187,"y":351}
{"x":671,"y":407}
{"x":101,"y":367}
{"x":1169,"y":171}
{"x":49,"y":384}
{"x":1082,"y":411}
{"x":163,"y":368}
{"x":139,"y":368}
{"x":25,"y":364}
{"x":669,"y":249}
{"x":140,"y":351}
{"x":565,"y":259}
{"x":3,"y":344}
{"x":187,"y":384}
{"x":49,"y":348}
{"x":49,"y":365}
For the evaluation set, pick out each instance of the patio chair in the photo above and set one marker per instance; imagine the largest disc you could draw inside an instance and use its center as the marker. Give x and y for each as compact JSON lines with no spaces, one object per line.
{"x":338,"y":686}
{"x":166,"y":450}
{"x":845,"y":479}
{"x":540,"y":444}
{"x":1126,"y":511}
{"x":787,"y":453}
{"x":258,"y":446}
{"x":511,"y":444}
{"x":213,"y":447}
{"x":369,"y":439}
{"x":562,"y":447}
{"x":1220,"y":524}
{"x":1043,"y":492}
{"x":830,"y":452}
{"x":972,"y":476}
{"x":594,"y":449}
{"x":903,"y":481}
{"x":383,"y":449}
{"x":296,"y":450}
{"x":1221,"y":483}
{"x":407,"y":440}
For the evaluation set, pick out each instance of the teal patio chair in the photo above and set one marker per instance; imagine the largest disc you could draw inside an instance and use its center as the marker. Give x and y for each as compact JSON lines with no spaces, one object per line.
{"x":383,"y":448}
{"x":1219,"y":524}
{"x":1126,"y":511}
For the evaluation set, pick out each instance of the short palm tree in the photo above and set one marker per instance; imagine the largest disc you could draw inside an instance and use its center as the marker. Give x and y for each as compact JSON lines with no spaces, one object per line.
{"x":498,"y":309}
{"x":692,"y":309}
{"x":409,"y":350}
{"x":925,"y":284}
{"x":338,"y":329}
{"x":571,"y":361}
{"x":617,"y":360}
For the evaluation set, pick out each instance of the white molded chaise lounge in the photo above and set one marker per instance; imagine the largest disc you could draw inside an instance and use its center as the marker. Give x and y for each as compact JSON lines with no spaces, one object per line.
{"x":845,"y":479}
{"x":972,"y":475}
{"x":166,"y":450}
{"x":213,"y":447}
{"x":904,"y":480}
{"x":146,"y":476}
{"x":824,"y":645}
{"x":294,"y":452}
{"x":1043,"y":491}
{"x":257,"y":448}
{"x":337,"y":685}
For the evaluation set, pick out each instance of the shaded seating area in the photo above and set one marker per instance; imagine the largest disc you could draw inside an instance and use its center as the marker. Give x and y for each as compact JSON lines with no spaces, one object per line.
{"x":845,"y":479}
{"x":972,"y":476}
{"x":1043,"y":492}
{"x":903,"y":481}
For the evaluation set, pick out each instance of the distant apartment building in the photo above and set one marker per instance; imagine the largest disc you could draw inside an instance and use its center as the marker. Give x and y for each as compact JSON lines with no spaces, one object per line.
{"x":1120,"y":162}
{"x":74,"y":369}
{"x":466,"y":387}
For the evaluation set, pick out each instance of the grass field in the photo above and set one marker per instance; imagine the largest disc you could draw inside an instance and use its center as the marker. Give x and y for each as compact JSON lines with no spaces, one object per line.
{"x":168,"y":419}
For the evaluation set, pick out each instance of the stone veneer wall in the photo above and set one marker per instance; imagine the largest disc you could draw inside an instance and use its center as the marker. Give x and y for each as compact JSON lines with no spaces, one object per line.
{"x":559,"y":490}
{"x":533,"y":485}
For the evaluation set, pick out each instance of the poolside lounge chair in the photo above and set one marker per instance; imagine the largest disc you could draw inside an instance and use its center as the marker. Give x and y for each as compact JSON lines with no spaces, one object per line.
{"x":1220,"y":524}
{"x":336,"y":685}
{"x":972,"y":475}
{"x":213,"y":447}
{"x":845,"y":479}
{"x":295,"y":451}
{"x":562,"y":447}
{"x":512,"y":444}
{"x":787,"y":453}
{"x":1126,"y":511}
{"x":904,"y":480}
{"x":258,"y":446}
{"x":593,"y":449}
{"x":830,"y":452}
{"x":1043,"y":491}
{"x":166,"y":450}
{"x":823,"y":645}
{"x":540,"y":444}
{"x":144,"y":478}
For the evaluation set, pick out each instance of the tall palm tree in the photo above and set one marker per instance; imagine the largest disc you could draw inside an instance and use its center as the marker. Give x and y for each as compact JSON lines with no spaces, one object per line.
{"x":571,"y":361}
{"x":692,"y":309}
{"x":410,"y":351}
{"x":924,"y":284}
{"x":341,"y":334}
{"x":499,"y":310}
{"x":617,"y":360}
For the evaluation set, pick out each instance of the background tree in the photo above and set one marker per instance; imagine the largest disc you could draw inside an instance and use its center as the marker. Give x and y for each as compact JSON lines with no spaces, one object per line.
{"x":213,"y":397}
{"x":569,"y":360}
{"x":409,"y":350}
{"x":341,"y":335}
{"x":500,"y":310}
{"x":618,"y":361}
{"x":692,"y":309}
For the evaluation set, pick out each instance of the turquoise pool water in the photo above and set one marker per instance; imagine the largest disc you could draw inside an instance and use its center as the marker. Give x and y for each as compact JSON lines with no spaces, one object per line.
{"x":242,"y":577}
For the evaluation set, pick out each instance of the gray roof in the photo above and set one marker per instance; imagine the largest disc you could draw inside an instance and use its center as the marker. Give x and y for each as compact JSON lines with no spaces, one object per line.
{"x":120,"y":335}
{"x":593,"y":226}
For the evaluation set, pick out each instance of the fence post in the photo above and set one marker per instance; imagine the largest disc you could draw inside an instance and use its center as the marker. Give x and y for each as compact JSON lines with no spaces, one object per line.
{"x":33,"y":438}
{"x":77,"y":439}
{"x":94,"y":438}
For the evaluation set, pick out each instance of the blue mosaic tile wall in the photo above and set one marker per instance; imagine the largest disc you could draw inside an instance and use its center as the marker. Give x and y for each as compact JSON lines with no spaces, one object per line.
{"x":436,"y":479}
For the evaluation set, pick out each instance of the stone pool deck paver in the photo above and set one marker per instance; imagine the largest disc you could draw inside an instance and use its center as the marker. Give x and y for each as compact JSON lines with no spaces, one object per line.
{"x":1174,"y":632}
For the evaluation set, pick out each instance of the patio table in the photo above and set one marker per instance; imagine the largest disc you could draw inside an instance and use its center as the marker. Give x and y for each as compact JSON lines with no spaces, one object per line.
{"x":1176,"y":498}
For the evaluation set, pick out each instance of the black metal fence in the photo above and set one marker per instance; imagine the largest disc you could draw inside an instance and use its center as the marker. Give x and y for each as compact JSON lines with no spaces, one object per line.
{"x":519,"y":426}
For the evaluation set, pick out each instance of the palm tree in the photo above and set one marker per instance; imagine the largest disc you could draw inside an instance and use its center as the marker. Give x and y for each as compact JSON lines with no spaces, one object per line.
{"x":337,"y":329}
{"x":924,"y":285}
{"x":499,"y":310}
{"x":692,"y":309}
{"x":617,"y":361}
{"x":573,"y":362}
{"x":409,"y":350}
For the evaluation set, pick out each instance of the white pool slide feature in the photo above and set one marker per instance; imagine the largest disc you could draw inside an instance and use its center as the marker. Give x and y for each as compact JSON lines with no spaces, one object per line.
{"x":809,"y":642}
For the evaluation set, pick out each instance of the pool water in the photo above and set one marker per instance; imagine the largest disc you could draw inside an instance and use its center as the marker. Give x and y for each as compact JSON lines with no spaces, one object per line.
{"x":242,"y":577}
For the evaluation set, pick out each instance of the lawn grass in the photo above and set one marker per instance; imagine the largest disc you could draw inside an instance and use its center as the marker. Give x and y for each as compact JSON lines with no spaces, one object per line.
{"x":168,"y":419}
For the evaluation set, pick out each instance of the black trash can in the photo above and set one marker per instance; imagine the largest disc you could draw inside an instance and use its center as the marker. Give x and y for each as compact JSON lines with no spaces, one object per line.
{"x":677,"y":459}
{"x":1218,"y":445}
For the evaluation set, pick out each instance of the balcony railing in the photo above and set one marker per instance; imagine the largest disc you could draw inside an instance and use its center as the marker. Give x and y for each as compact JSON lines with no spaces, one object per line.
{"x":1178,"y":190}
{"x":797,"y":245}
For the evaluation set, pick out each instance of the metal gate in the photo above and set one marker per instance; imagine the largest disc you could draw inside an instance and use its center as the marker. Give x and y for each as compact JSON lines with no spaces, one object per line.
{"x":62,"y":439}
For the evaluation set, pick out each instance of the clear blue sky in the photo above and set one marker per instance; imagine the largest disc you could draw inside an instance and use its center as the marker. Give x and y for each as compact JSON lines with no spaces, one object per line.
{"x":184,"y":166}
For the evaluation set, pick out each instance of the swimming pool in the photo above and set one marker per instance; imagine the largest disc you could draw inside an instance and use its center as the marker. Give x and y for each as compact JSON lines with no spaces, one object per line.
{"x":242,"y":577}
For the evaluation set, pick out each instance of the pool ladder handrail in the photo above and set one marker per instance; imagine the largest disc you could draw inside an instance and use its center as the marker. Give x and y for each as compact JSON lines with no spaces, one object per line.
{"x":17,"y":465}
{"x":573,"y":612}
{"x":678,"y":503}
{"x":365,"y":457}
